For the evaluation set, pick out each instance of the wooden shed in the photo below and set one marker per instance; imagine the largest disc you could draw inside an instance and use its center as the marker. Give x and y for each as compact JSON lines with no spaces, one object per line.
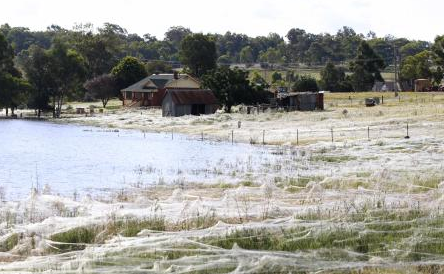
{"x":422,"y":85}
{"x":180,"y":102}
{"x":303,"y":101}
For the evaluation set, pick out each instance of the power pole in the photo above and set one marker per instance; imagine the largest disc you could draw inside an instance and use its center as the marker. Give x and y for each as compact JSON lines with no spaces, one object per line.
{"x":395,"y":56}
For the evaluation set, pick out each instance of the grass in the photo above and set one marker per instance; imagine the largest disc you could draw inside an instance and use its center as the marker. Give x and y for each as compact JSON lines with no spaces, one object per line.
{"x":332,"y":158}
{"x":9,"y":243}
{"x":78,"y":238}
{"x":75,"y":239}
{"x":375,"y":233}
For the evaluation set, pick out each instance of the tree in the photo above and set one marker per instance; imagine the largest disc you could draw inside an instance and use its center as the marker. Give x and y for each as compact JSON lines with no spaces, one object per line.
{"x":416,"y":67}
{"x":305,"y":83}
{"x":413,"y":48}
{"x":158,"y":67}
{"x":176,"y":34}
{"x":232,"y":87}
{"x":271,"y":56}
{"x":246,"y":55}
{"x":98,"y":55}
{"x":13,"y":89}
{"x":275,"y":77}
{"x":102,"y":87}
{"x":69,"y":71}
{"x":198,"y":53}
{"x":128,"y":71}
{"x":334,"y":79}
{"x":258,"y":80}
{"x":37,"y":66}
{"x":366,"y":68}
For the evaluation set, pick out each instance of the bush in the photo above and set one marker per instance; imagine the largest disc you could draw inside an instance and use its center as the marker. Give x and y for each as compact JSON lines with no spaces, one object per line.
{"x":305,"y":83}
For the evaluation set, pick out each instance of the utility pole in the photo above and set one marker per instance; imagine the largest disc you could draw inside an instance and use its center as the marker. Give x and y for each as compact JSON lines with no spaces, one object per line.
{"x":395,"y":56}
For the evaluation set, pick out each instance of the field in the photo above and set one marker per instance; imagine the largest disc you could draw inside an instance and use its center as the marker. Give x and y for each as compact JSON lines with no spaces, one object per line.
{"x":313,"y":72}
{"x":345,"y":191}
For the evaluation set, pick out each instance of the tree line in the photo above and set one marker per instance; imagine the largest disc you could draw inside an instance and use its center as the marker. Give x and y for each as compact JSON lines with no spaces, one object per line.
{"x":43,"y":69}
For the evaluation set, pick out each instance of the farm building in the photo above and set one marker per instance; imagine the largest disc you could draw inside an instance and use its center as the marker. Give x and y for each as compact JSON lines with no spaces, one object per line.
{"x":304,"y":101}
{"x":422,"y":84}
{"x":179,"y":102}
{"x":151,"y":90}
{"x":386,"y":86}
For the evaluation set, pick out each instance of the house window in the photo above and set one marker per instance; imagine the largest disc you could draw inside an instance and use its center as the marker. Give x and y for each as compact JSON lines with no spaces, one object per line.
{"x":129,"y":95}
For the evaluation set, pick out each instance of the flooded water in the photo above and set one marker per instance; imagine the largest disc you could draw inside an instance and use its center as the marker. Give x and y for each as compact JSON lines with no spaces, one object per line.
{"x":75,"y":159}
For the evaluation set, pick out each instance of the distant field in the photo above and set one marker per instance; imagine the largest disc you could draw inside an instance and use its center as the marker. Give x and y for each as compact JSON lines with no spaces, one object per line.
{"x":314,"y":72}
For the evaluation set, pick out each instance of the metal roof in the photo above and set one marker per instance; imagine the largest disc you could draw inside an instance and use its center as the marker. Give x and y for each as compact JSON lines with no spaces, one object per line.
{"x":192,"y":96}
{"x":159,"y":80}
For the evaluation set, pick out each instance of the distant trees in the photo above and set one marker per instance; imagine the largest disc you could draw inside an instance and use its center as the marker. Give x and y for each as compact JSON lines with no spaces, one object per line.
{"x":57,"y":62}
{"x":276,"y":76}
{"x":128,"y":71}
{"x":334,"y":79}
{"x":246,"y":55}
{"x":13,"y":88}
{"x":416,"y":67}
{"x":305,"y":83}
{"x":158,"y":67}
{"x":366,"y":68}
{"x":232,"y":87}
{"x":102,"y":87}
{"x":198,"y":53}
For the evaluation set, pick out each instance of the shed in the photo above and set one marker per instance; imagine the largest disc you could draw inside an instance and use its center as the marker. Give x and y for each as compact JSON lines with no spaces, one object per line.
{"x":304,"y":101}
{"x":422,"y":84}
{"x":180,"y":102}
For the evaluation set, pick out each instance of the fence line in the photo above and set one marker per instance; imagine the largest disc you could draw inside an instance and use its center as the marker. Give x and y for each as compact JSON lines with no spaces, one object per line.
{"x":297,"y":136}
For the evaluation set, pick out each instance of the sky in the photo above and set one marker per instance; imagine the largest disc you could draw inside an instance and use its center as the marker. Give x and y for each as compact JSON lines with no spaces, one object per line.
{"x":411,"y":19}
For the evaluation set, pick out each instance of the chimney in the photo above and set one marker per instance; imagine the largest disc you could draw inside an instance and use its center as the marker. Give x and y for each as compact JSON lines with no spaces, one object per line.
{"x":176,"y":75}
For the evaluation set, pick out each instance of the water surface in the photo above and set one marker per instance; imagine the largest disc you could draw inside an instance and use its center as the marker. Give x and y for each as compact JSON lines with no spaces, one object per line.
{"x":76,"y":159}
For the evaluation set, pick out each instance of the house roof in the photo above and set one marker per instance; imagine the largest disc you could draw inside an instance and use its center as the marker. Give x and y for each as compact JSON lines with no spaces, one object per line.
{"x":192,"y":96}
{"x":153,"y":83}
{"x":160,"y":80}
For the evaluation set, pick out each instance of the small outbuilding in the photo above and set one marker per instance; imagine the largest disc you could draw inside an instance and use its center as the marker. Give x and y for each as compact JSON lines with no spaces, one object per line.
{"x":303,"y":101}
{"x":180,"y":102}
{"x":422,"y":85}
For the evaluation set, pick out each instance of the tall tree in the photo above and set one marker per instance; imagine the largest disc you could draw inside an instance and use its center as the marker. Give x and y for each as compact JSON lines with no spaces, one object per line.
{"x":246,"y":55}
{"x":198,"y":53}
{"x":128,"y":71}
{"x":366,"y":68}
{"x":13,"y":89}
{"x":416,"y":67}
{"x":69,"y":71}
{"x":231,"y":87}
{"x":334,"y":79}
{"x":176,"y":34}
{"x":37,"y":65}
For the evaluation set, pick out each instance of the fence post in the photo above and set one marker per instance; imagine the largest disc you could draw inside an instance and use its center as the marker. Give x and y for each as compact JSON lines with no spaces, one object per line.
{"x":407,"y":136}
{"x":332,"y":135}
{"x":263,"y":137}
{"x":297,"y":137}
{"x":201,"y":136}
{"x":382,"y":99}
{"x":172,"y":134}
{"x":368,"y":133}
{"x":232,"y":136}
